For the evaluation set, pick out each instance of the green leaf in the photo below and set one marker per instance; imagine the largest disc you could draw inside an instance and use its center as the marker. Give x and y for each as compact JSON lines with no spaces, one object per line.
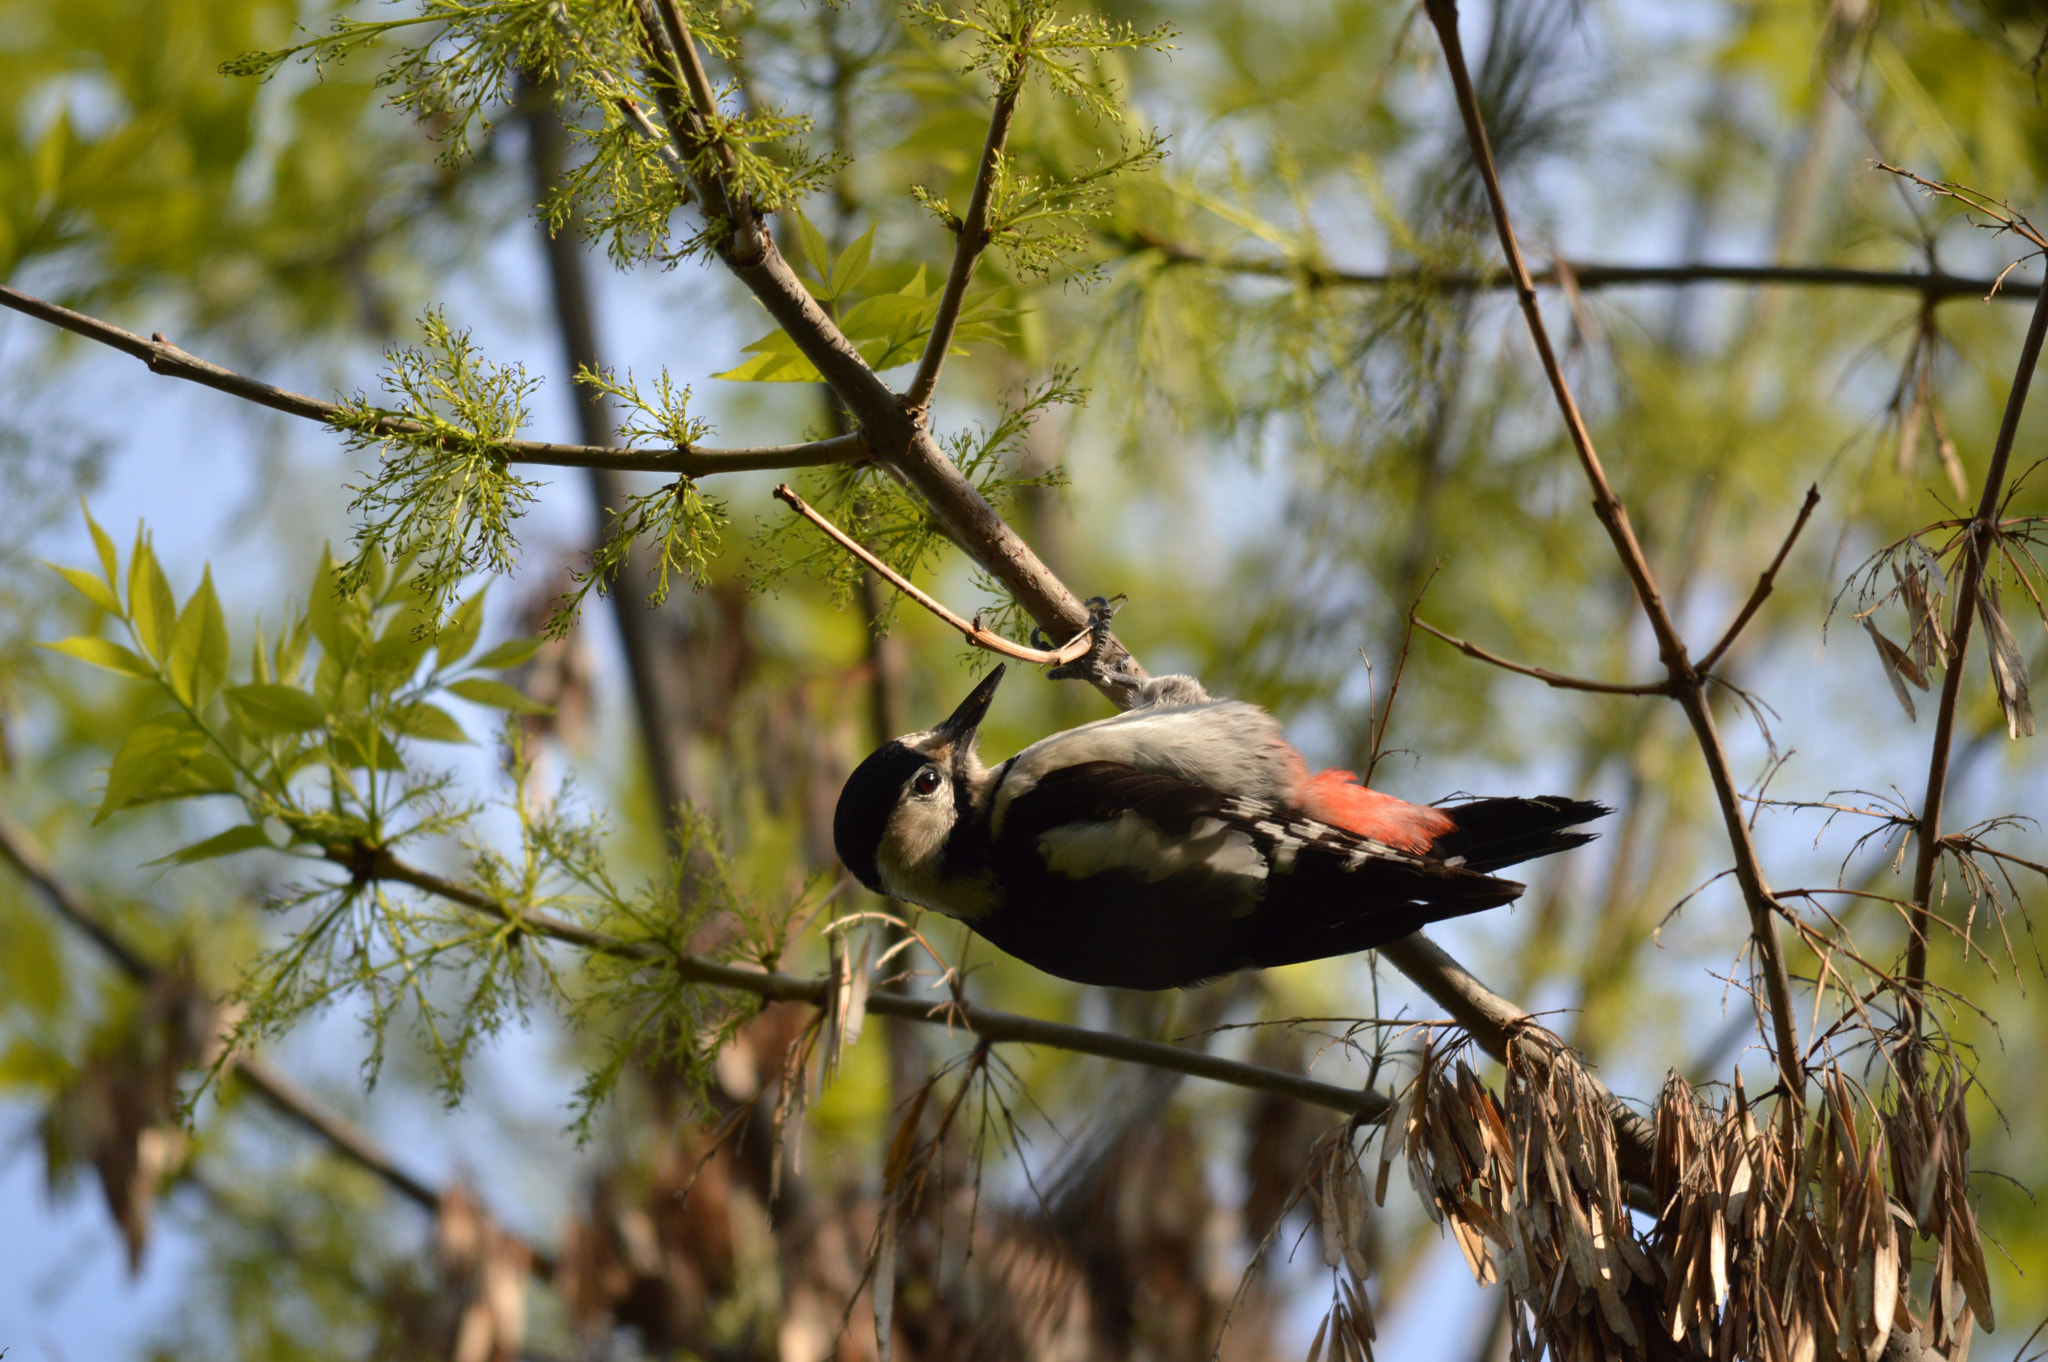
{"x":198,"y":660}
{"x":430,"y":722}
{"x":852,"y":264}
{"x":497,"y":695}
{"x":396,"y":654}
{"x":109,"y":561}
{"x":151,"y":607}
{"x":461,"y":632}
{"x":166,"y":758}
{"x":324,"y":611}
{"x":276,"y":709}
{"x":104,"y":653}
{"x":815,"y":251}
{"x":259,"y":657}
{"x":90,"y":587}
{"x":32,"y":972}
{"x":365,"y":745}
{"x":513,"y":652}
{"x":776,"y":360}
{"x":247,"y":837}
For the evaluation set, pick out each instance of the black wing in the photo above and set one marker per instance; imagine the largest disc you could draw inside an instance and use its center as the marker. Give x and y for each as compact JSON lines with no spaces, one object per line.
{"x":1115,"y":875}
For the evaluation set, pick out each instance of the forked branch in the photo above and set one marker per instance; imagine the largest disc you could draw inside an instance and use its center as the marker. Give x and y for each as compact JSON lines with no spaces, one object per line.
{"x":971,"y":630}
{"x":1687,"y":684}
{"x":1547,"y":677}
{"x":169,"y":360}
{"x":1980,"y":535}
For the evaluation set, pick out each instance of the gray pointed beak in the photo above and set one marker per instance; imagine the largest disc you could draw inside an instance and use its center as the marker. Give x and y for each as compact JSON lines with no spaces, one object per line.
{"x":960,"y":726}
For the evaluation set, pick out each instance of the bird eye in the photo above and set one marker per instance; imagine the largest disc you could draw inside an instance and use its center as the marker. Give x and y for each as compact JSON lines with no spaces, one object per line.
{"x":927,"y":780}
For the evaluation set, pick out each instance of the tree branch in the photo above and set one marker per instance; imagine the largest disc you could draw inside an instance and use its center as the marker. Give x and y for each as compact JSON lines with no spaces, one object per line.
{"x":777,"y":987}
{"x":169,"y":360}
{"x":1764,"y":584}
{"x":1935,"y":286}
{"x":19,"y":848}
{"x":1981,"y":533}
{"x":1548,"y":678}
{"x":970,"y":630}
{"x":973,"y":234}
{"x":1686,"y":683}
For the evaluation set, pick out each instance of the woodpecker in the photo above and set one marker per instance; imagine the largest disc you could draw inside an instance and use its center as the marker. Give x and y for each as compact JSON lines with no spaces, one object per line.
{"x":1180,"y":841}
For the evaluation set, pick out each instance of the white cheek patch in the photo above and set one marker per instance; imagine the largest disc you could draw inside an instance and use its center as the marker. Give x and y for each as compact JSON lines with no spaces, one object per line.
{"x":1129,"y":845}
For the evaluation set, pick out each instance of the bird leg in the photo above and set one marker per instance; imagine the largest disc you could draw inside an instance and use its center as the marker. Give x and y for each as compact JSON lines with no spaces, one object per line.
{"x":1094,"y":666}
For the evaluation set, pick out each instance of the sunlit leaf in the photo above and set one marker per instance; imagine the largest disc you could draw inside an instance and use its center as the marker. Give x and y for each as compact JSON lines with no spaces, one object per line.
{"x":460,"y":634}
{"x":422,"y":720}
{"x":244,"y":837}
{"x":277,"y":709}
{"x":104,"y":653}
{"x":495,"y":694}
{"x":513,"y":652}
{"x":151,"y":606}
{"x":198,"y":660}
{"x":90,"y":587}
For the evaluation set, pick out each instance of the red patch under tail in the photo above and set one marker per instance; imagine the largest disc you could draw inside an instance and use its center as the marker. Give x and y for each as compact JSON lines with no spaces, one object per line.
{"x":1336,"y":797}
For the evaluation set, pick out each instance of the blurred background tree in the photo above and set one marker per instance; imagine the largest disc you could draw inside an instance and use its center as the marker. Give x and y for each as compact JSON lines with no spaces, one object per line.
{"x":1273,"y":388}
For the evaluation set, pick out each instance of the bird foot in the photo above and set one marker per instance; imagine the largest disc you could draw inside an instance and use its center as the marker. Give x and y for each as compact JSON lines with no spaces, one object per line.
{"x":1094,"y":665}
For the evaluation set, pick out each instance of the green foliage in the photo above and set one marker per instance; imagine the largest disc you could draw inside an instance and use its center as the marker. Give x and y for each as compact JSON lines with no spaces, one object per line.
{"x":1011,"y":41}
{"x":888,"y":328}
{"x":893,"y":521}
{"x":442,"y":494}
{"x":682,"y":524}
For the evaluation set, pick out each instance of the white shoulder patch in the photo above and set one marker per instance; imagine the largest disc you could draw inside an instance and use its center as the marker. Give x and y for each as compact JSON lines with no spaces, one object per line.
{"x":1130,"y":845}
{"x":1227,"y":745}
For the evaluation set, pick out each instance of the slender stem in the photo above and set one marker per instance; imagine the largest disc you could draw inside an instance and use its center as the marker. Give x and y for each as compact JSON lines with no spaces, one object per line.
{"x":1936,"y":286}
{"x":776,"y":987}
{"x":981,"y":638}
{"x":1547,"y":677}
{"x":973,"y":234}
{"x":1687,"y":686}
{"x":1764,"y":584}
{"x":19,"y":848}
{"x":169,"y":360}
{"x":1980,"y":535}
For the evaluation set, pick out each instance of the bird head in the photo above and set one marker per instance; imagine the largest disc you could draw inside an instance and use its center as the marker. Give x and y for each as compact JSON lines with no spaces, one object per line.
{"x":898,"y":814}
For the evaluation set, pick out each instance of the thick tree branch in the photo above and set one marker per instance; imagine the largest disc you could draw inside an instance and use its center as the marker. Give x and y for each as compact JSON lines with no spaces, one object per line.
{"x":973,"y":235}
{"x":1687,"y":685}
{"x":1980,"y":535}
{"x":776,"y":987}
{"x":19,"y":848}
{"x":167,"y":359}
{"x":1935,"y":286}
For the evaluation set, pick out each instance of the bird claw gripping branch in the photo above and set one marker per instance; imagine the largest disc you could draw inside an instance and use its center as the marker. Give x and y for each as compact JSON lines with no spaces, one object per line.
{"x":1093,"y":666}
{"x":1180,"y":841}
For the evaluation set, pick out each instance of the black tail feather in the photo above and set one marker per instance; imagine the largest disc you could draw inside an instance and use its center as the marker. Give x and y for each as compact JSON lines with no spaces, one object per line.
{"x":1492,"y":833}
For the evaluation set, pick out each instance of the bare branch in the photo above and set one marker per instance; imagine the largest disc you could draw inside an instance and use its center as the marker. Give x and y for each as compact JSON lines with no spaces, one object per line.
{"x":1763,"y":585}
{"x":990,"y":1025}
{"x":1687,"y":687}
{"x":1934,"y":286}
{"x":1980,"y":535}
{"x":973,"y":632}
{"x":19,"y":848}
{"x":973,"y":234}
{"x":167,"y":359}
{"x":1548,"y":678}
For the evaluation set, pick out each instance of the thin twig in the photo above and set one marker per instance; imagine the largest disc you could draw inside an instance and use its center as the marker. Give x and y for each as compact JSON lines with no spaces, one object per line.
{"x":1936,"y":286}
{"x":1686,"y":684}
{"x":20,"y":848}
{"x":1548,"y":678}
{"x":994,"y":1026}
{"x":169,"y":360}
{"x":1981,"y":532}
{"x":1764,"y":584}
{"x":973,"y":233}
{"x":973,"y":632}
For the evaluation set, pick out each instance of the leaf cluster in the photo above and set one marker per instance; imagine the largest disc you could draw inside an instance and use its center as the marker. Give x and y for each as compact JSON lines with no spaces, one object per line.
{"x":443,"y":494}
